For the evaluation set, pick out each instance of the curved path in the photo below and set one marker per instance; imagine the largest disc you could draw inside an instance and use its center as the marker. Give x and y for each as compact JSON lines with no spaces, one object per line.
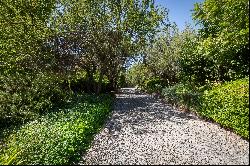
{"x":143,"y":130}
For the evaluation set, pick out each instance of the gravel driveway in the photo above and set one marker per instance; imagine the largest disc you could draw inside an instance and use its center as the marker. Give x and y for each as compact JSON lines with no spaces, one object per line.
{"x":142,"y":130}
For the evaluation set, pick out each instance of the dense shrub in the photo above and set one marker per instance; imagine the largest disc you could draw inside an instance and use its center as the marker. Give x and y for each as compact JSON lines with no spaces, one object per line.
{"x":122,"y":81}
{"x":228,"y":104}
{"x":138,"y":74}
{"x":26,"y":83}
{"x":220,"y":50}
{"x":154,"y":85}
{"x":196,"y":68}
{"x":182,"y":95}
{"x":59,"y":137}
{"x":25,"y":98}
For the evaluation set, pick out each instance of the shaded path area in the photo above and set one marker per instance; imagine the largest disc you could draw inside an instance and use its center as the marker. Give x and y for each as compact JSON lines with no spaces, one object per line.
{"x":142,"y":130}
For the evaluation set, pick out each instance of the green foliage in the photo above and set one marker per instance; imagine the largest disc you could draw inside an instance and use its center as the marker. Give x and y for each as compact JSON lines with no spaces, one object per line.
{"x":27,"y":87}
{"x":141,"y":76}
{"x":224,"y":41}
{"x":122,"y":81}
{"x":163,"y":54}
{"x":138,"y":74}
{"x":111,"y":31}
{"x":30,"y":99}
{"x":227,"y":20}
{"x":219,"y":52}
{"x":196,"y":68}
{"x":182,"y":95}
{"x":165,"y":58}
{"x":45,"y":44}
{"x":228,"y":104}
{"x":58,"y":137}
{"x":154,"y":85}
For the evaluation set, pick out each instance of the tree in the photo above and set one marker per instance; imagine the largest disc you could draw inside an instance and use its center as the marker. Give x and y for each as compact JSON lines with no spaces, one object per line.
{"x":162,"y":55}
{"x":116,"y":31}
{"x":225,"y":36}
{"x":24,"y":73}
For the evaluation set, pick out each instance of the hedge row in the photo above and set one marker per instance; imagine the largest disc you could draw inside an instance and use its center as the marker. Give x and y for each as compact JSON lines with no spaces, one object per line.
{"x":227,"y":104}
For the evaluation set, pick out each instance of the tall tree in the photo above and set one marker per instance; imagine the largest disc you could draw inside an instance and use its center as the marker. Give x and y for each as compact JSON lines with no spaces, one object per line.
{"x":116,"y":30}
{"x":225,"y":35}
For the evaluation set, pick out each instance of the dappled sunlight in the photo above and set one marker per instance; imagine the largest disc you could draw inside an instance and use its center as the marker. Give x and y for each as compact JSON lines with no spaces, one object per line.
{"x":143,"y":130}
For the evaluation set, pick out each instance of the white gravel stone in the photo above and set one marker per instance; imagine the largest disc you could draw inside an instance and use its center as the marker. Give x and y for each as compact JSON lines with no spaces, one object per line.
{"x":142,"y":130}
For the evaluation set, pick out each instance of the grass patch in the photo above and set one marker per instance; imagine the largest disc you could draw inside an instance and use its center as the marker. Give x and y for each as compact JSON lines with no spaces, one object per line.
{"x":58,"y":137}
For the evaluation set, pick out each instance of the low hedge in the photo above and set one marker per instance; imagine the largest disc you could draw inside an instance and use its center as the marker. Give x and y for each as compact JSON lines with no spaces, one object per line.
{"x":228,"y":104}
{"x":58,"y":137}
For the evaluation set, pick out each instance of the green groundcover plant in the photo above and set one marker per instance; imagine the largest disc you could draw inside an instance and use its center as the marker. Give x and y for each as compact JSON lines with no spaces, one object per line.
{"x":60,"y":136}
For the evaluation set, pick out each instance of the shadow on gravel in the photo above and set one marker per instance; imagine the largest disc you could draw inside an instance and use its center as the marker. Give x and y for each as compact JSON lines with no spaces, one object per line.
{"x":135,"y":108}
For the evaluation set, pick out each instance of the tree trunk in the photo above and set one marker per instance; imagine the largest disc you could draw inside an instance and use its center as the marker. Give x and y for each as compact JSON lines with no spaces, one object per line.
{"x":90,"y":80}
{"x":99,"y":86}
{"x":112,"y":83}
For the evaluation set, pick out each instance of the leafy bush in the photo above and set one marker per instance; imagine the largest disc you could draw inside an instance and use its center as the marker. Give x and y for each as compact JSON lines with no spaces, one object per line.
{"x":220,"y":51}
{"x":82,"y":84}
{"x":154,"y":85}
{"x":59,"y":137}
{"x":25,"y":98}
{"x":181,"y":94}
{"x":197,"y":68}
{"x":122,"y":81}
{"x":228,"y":104}
{"x":138,"y":74}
